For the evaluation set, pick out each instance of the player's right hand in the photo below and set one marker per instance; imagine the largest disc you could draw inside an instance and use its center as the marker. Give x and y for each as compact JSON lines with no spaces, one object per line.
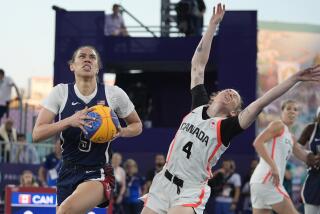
{"x":81,"y":119}
{"x":218,"y":13}
{"x":275,"y":176}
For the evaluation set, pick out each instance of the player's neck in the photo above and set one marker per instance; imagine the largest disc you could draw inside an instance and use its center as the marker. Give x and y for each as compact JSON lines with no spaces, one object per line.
{"x":216,"y":111}
{"x":86,"y":87}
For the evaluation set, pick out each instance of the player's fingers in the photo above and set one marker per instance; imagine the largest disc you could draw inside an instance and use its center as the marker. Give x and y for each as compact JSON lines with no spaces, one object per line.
{"x":87,"y":117}
{"x":88,"y":124}
{"x":277,"y":181}
{"x":82,"y":122}
{"x":91,"y":109}
{"x":83,"y":130}
{"x":119,"y":129}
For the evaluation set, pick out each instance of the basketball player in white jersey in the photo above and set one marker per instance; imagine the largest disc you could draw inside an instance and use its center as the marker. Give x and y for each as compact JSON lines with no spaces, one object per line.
{"x":205,"y":133}
{"x":275,"y":145}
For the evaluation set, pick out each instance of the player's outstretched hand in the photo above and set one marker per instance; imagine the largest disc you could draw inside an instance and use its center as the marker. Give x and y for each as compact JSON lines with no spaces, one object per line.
{"x":218,"y":13}
{"x":309,"y":74}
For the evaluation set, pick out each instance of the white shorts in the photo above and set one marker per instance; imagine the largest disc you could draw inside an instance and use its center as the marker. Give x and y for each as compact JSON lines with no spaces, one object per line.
{"x":163,"y":195}
{"x":263,"y":196}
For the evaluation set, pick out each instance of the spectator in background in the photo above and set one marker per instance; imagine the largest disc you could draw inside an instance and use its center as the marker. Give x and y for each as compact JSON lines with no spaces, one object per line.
{"x":227,"y":199}
{"x":8,"y":134}
{"x":48,"y":171}
{"x":120,"y":187}
{"x":114,"y":24}
{"x":27,"y":179}
{"x":159,"y":162}
{"x":245,"y":192}
{"x":131,"y":202}
{"x":190,"y":16}
{"x":23,"y":152}
{"x":6,"y":83}
{"x":199,"y":13}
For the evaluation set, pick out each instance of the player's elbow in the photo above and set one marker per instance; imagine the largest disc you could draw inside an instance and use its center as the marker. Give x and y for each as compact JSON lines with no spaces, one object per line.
{"x":35,"y":136}
{"x":139,"y":128}
{"x":255,"y":144}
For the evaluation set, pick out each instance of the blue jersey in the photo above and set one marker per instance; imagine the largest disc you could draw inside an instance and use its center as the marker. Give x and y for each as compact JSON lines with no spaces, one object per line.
{"x":315,"y":140}
{"x":311,"y":188}
{"x":75,"y":148}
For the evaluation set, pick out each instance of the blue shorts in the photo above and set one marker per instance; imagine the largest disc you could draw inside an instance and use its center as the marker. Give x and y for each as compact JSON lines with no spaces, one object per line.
{"x":71,"y":175}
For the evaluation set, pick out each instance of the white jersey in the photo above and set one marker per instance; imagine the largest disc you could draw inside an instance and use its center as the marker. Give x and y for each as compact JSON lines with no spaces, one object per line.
{"x":196,"y":148}
{"x":117,"y":99}
{"x":280,"y":150}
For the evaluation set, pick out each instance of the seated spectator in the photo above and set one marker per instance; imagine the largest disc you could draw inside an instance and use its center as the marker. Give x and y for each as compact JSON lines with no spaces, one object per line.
{"x":27,"y":179}
{"x":120,"y":189}
{"x":159,"y":162}
{"x":48,"y":171}
{"x":8,"y":134}
{"x":114,"y":24}
{"x":131,"y":202}
{"x":23,"y":152}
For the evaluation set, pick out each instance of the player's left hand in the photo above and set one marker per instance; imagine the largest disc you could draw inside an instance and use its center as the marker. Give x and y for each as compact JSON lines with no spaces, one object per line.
{"x":309,"y":74}
{"x":119,"y":133}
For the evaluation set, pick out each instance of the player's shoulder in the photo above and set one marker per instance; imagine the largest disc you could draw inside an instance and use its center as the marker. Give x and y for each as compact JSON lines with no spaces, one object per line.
{"x":276,"y":127}
{"x":61,"y":89}
{"x":113,"y":89}
{"x":198,"y":109}
{"x":276,"y":124}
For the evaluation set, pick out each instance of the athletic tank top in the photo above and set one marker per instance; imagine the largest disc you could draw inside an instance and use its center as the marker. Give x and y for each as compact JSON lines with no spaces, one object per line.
{"x":280,"y":150}
{"x":314,"y":142}
{"x":196,"y":148}
{"x":75,"y":147}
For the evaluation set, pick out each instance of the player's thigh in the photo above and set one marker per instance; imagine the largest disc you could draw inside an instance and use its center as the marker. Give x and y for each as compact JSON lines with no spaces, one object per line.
{"x":311,"y":209}
{"x":181,"y":209}
{"x":285,"y":207}
{"x":261,"y":211}
{"x":86,"y":196}
{"x":147,"y":210}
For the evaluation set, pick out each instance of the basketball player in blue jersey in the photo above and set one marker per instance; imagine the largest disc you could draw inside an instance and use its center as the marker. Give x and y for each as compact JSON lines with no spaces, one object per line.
{"x":310,"y":192}
{"x":205,"y":133}
{"x":85,"y":179}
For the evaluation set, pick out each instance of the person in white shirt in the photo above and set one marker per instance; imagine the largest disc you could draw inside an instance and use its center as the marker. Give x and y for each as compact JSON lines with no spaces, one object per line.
{"x":6,"y":83}
{"x":114,"y":24}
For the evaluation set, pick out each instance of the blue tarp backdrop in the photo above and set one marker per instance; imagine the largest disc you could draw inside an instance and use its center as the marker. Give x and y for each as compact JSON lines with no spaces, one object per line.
{"x":232,"y":64}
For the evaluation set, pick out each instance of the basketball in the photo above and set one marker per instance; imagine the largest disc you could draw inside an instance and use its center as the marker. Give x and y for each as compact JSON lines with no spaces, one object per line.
{"x":104,"y":127}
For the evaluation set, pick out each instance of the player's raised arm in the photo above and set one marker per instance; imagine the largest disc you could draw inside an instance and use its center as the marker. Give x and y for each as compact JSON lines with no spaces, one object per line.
{"x":249,"y":114}
{"x":201,"y":54}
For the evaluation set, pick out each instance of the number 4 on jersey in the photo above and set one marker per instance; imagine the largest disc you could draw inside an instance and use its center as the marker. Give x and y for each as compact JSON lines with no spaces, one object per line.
{"x":187,"y":149}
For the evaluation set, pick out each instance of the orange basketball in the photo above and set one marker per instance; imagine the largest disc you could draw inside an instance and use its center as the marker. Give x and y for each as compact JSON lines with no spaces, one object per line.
{"x":104,"y":128}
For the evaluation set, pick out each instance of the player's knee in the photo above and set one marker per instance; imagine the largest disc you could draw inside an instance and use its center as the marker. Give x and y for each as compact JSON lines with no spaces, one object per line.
{"x":67,"y":208}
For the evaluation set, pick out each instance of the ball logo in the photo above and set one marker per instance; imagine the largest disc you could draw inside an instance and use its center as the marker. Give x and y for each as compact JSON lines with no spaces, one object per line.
{"x":24,"y":199}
